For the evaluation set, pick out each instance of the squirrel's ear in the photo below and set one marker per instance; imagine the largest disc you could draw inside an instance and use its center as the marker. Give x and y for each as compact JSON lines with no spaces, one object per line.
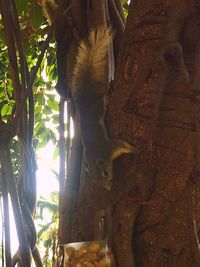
{"x":100,"y":162}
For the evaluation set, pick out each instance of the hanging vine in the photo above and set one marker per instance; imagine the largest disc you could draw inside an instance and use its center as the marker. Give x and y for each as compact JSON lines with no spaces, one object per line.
{"x":20,"y":185}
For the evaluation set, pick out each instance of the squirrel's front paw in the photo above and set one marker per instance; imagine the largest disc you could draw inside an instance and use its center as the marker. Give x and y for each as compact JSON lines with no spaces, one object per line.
{"x":120,"y":147}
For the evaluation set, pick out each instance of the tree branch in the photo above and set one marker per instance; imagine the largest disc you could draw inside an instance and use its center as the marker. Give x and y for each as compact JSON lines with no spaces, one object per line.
{"x":12,"y":187}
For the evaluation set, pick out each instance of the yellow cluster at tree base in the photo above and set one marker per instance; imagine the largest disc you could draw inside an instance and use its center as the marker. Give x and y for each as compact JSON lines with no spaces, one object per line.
{"x":89,"y":254}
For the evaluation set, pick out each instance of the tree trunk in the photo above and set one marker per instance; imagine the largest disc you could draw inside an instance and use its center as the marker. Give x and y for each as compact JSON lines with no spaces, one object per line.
{"x":155,"y":101}
{"x":154,"y":104}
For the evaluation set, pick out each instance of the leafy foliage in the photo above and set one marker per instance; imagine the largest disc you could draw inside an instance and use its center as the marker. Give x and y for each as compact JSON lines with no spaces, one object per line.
{"x":34,"y":28}
{"x":47,"y":220}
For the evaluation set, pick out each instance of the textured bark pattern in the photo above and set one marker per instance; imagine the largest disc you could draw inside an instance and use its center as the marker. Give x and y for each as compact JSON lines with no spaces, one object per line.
{"x":155,"y":101}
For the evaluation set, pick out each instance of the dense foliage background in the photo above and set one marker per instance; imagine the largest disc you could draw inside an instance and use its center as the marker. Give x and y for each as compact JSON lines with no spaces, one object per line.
{"x":32,"y":77}
{"x":32,"y":33}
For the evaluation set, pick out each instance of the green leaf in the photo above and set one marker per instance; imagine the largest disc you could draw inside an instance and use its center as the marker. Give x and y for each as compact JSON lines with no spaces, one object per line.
{"x":47,"y":110}
{"x":40,"y":99}
{"x":53,"y":105}
{"x":42,"y":140}
{"x":55,"y":119}
{"x":48,"y":243}
{"x":4,"y":110}
{"x":36,"y":15}
{"x":51,"y":97}
{"x":38,"y":115}
{"x":49,"y":205}
{"x":2,"y":36}
{"x":41,"y":130}
{"x":50,"y":60}
{"x":44,"y":229}
{"x":21,"y":5}
{"x":38,"y":110}
{"x":55,"y":153}
{"x":2,"y":103}
{"x":55,"y":122}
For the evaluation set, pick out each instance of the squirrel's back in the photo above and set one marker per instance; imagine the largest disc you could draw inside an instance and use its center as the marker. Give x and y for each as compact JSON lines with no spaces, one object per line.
{"x":92,"y":62}
{"x":90,"y":82}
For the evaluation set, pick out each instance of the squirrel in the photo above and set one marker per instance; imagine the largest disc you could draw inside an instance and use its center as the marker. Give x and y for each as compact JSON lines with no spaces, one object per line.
{"x":89,"y":86}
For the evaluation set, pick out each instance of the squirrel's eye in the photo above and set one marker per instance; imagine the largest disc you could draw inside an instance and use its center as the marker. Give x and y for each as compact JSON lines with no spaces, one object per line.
{"x":105,"y":174}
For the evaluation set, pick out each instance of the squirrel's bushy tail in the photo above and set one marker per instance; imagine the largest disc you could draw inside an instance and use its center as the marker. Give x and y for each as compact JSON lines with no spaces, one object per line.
{"x":91,"y":60}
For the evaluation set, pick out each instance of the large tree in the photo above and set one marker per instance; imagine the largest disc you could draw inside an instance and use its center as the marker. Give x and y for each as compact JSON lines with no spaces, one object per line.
{"x":154,"y":103}
{"x":152,"y":210}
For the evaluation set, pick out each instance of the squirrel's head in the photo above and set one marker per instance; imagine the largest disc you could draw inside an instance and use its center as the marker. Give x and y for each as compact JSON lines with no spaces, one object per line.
{"x":101,"y":172}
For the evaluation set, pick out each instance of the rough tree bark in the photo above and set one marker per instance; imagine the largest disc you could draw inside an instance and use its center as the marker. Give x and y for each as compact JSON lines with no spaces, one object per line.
{"x":154,"y":101}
